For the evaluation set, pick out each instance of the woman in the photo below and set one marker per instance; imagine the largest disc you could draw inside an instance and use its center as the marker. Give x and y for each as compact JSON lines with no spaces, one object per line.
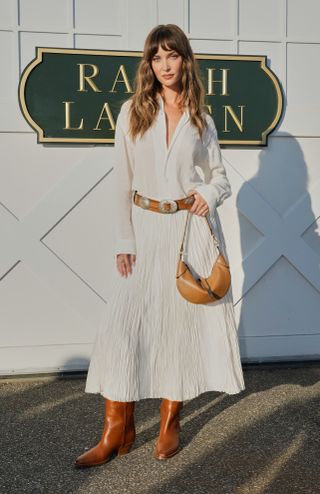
{"x":153,"y":343}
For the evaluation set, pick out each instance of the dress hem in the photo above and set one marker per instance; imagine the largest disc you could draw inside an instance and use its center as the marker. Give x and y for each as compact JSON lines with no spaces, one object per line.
{"x":163,"y":395}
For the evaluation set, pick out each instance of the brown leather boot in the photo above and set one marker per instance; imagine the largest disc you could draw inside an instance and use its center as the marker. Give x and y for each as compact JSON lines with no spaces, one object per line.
{"x":118,"y":434}
{"x":167,"y":444}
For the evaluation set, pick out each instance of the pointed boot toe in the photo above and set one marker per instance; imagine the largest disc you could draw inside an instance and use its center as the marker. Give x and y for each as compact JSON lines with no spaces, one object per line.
{"x":163,"y":454}
{"x":95,"y":456}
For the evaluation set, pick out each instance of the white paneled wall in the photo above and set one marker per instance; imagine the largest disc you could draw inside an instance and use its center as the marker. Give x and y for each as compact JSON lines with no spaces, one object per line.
{"x":56,"y":263}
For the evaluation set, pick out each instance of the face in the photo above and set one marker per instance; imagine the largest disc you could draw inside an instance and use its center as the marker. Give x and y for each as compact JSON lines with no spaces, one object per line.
{"x":167,"y":67}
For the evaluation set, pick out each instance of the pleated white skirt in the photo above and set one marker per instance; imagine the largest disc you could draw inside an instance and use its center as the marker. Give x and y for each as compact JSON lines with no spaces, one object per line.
{"x":152,"y":343}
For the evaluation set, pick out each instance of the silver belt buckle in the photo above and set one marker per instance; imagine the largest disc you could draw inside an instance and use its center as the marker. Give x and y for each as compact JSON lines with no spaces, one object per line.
{"x":144,"y":202}
{"x":164,"y":202}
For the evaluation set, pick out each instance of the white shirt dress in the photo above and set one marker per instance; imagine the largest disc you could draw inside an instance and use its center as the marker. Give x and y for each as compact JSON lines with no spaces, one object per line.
{"x":152,"y":343}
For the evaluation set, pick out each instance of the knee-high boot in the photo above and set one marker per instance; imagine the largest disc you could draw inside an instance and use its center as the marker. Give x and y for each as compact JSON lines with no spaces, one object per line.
{"x":167,"y":444}
{"x":118,"y":434}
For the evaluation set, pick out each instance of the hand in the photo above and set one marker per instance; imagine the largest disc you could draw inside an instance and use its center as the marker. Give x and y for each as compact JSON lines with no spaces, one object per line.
{"x":125,"y":263}
{"x":200,"y":206}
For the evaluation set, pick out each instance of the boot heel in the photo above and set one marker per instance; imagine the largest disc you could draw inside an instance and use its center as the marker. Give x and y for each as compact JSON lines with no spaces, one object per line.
{"x":123,"y":450}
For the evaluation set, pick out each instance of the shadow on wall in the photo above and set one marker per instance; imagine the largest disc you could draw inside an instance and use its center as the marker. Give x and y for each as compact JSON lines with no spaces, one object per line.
{"x":281,"y":284}
{"x":75,"y":366}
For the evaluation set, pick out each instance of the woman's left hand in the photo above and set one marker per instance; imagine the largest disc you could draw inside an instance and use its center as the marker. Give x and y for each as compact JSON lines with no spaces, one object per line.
{"x":200,"y":206}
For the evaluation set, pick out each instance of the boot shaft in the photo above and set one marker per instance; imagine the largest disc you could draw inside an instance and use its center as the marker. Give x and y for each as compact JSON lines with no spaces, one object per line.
{"x":170,"y":414}
{"x":119,"y":420}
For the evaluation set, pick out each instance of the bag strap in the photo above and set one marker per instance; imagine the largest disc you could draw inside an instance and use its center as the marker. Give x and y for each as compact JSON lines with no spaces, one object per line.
{"x":214,"y":238}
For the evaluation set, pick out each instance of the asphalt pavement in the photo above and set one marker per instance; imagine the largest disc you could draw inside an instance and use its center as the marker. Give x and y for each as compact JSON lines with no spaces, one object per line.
{"x":263,"y":440}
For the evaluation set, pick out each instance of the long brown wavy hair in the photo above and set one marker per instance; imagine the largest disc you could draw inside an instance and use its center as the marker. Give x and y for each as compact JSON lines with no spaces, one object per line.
{"x":144,"y":105}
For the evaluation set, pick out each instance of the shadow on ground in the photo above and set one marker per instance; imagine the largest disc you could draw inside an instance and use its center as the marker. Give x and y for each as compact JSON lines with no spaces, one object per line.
{"x":263,"y":440}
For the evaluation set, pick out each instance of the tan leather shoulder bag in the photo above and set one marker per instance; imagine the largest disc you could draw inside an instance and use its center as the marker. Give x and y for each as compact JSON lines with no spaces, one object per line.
{"x":200,"y":290}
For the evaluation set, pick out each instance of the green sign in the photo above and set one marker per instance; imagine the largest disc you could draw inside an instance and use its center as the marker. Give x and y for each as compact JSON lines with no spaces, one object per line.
{"x":75,"y":95}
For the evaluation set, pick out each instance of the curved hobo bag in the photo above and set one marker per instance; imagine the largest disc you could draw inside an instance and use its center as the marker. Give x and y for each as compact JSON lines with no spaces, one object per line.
{"x":200,"y":290}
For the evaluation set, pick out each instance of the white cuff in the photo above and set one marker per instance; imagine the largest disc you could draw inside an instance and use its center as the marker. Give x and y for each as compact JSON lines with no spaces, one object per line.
{"x":125,"y":246}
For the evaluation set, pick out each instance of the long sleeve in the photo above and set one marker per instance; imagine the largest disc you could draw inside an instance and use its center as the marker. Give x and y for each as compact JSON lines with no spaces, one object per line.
{"x":123,"y":169}
{"x":216,"y":187}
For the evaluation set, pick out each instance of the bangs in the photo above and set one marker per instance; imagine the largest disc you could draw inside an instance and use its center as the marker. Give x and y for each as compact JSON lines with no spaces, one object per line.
{"x":166,"y":40}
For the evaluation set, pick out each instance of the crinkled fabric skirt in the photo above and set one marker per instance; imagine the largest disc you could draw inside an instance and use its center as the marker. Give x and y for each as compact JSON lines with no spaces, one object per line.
{"x":151,"y":342}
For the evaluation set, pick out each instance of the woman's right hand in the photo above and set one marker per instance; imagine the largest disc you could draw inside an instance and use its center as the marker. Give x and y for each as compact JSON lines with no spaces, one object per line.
{"x":125,"y":263}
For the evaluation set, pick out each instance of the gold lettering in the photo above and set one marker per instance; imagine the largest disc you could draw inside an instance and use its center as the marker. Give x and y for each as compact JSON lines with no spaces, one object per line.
{"x":109,"y":117}
{"x":239,"y":123}
{"x":124,"y":81}
{"x":210,"y":110}
{"x":67,"y":114}
{"x":223,"y":82}
{"x":87,"y":78}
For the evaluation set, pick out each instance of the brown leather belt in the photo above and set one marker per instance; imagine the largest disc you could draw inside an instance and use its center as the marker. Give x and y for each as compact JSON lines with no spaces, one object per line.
{"x":164,"y":206}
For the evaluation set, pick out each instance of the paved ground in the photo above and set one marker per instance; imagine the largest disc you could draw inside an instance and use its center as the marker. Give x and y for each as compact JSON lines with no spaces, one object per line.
{"x":263,"y":440}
